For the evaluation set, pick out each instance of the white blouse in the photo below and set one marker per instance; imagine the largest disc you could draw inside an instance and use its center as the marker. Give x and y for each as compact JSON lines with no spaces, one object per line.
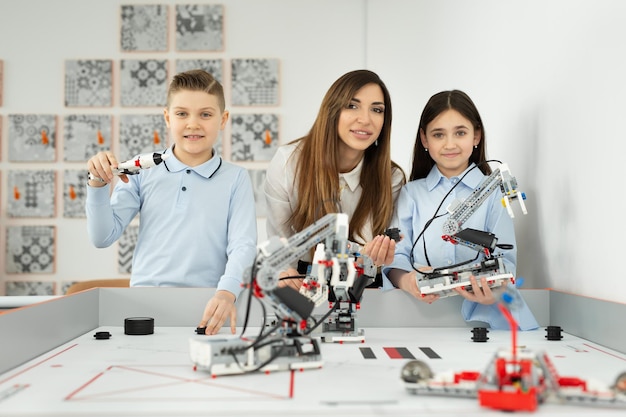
{"x":281,"y":194}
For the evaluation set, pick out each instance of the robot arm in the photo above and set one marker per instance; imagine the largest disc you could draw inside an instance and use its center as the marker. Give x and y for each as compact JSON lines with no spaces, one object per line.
{"x":442,"y":281}
{"x":333,"y":277}
{"x":461,"y":211}
{"x":286,"y":345}
{"x":143,"y":161}
{"x":330,"y":235}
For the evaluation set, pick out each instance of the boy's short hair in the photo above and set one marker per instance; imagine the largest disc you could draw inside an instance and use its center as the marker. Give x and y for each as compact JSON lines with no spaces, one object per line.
{"x":197,"y":80}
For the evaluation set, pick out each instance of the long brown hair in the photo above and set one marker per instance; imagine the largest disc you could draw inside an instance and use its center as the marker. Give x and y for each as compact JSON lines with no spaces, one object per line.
{"x":317,"y":172}
{"x":437,"y":104}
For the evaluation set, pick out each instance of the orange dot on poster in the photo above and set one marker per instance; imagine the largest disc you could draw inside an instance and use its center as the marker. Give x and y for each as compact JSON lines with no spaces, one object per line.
{"x":268,"y":137}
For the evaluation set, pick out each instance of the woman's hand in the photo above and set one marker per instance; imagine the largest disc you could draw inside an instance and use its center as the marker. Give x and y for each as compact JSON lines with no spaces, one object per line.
{"x":290,"y":278}
{"x":380,"y":250}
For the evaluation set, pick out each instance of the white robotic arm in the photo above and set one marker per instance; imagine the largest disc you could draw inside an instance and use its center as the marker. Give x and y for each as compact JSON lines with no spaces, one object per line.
{"x":288,"y":345}
{"x":330,"y":235}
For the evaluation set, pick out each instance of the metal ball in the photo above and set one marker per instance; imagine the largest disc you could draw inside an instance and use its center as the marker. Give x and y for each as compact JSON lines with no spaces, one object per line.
{"x":416,"y":371}
{"x":620,"y":383}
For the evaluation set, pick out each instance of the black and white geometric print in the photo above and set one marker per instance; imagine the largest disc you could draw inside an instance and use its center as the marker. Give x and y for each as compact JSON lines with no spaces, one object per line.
{"x":88,"y":83}
{"x":30,"y":249}
{"x":144,"y":28}
{"x":255,"y":82}
{"x":141,"y":133}
{"x":199,"y":27}
{"x":31,"y":193}
{"x":32,"y":137}
{"x":74,"y":193}
{"x":254,"y":137}
{"x":85,"y":135}
{"x":143,"y":82}
{"x":20,"y":288}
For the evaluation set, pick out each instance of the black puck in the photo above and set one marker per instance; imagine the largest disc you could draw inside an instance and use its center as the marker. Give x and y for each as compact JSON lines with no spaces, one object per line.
{"x":480,"y":334}
{"x":139,"y":326}
{"x":102,"y":335}
{"x":554,"y":333}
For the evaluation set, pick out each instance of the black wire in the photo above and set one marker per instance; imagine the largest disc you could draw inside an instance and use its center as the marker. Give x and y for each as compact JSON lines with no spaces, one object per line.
{"x":436,"y":270}
{"x":262,"y":336}
{"x":250,"y":295}
{"x":269,"y":360}
{"x":335,"y":305}
{"x":300,"y":276}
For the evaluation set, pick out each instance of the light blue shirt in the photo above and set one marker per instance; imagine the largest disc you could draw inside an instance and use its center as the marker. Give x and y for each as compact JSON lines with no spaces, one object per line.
{"x":417,"y":204}
{"x":197,"y":225}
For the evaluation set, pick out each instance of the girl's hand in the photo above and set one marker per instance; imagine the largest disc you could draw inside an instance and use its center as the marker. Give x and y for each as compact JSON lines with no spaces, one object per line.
{"x":407,"y":281}
{"x":481,"y":294}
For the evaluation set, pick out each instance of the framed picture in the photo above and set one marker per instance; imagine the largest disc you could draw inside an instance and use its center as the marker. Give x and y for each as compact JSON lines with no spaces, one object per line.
{"x":89,"y":83}
{"x":144,"y":28}
{"x":32,"y":193}
{"x":32,"y":137}
{"x":255,"y":82}
{"x":30,"y":249}
{"x":30,"y":288}
{"x":254,"y":137}
{"x":140,"y":133}
{"x":143,"y":82}
{"x":199,"y":27}
{"x":84,"y":135}
{"x":74,"y":193}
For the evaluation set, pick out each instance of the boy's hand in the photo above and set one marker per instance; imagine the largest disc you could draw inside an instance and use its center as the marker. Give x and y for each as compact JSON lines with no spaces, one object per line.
{"x":218,"y":309}
{"x":100,"y":167}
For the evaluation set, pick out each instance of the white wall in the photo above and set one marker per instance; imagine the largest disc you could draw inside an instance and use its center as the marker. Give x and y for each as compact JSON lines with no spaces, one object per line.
{"x":546,"y":76}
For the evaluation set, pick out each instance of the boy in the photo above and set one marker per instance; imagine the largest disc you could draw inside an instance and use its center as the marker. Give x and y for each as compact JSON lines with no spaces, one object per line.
{"x":197,"y":214}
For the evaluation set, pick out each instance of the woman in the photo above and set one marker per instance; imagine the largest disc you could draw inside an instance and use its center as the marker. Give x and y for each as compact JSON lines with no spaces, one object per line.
{"x":346,"y":151}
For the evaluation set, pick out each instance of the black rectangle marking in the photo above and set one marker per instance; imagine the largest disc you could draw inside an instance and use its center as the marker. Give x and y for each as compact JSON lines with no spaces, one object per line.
{"x":430,"y":353}
{"x":367,"y":353}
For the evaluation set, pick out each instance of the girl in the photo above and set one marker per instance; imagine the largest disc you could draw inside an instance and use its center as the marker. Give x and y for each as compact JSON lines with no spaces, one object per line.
{"x":449,"y":163}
